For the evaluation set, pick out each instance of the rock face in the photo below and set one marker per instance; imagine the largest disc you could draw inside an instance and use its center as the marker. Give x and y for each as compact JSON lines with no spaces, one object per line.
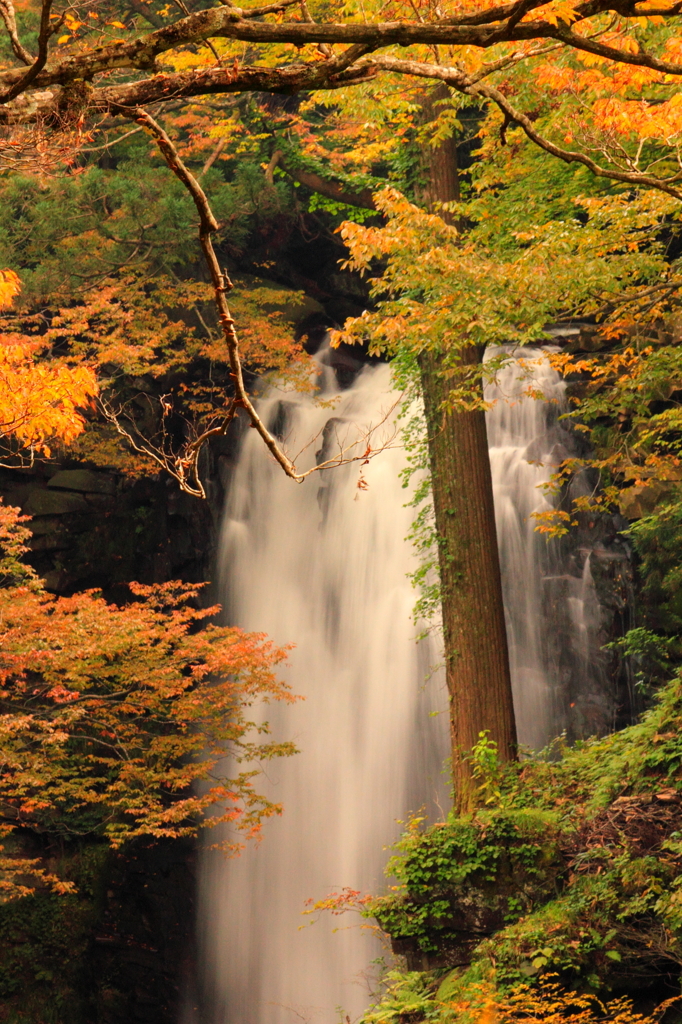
{"x":97,"y":529}
{"x":140,"y":960}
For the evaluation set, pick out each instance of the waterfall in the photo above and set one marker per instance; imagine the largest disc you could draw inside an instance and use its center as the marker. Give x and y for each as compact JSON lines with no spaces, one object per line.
{"x":526,"y":444}
{"x":324,"y":565}
{"x":564,"y":599}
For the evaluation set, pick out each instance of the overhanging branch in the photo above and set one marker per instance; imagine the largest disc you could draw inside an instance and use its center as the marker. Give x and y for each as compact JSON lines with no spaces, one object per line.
{"x":483,"y":28}
{"x":220,"y":281}
{"x":470,"y":87}
{"x":183,"y":466}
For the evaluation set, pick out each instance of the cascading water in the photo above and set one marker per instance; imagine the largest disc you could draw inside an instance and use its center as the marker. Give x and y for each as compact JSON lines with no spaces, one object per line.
{"x":324,"y":565}
{"x":557,"y":621}
{"x":525,"y":445}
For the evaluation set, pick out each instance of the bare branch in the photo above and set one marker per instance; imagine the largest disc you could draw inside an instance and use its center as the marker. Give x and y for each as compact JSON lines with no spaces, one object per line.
{"x":220,"y":280}
{"x":9,"y":17}
{"x":27,"y":79}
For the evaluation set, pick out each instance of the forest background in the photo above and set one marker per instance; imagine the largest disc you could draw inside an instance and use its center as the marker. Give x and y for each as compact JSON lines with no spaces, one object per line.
{"x":562,"y":122}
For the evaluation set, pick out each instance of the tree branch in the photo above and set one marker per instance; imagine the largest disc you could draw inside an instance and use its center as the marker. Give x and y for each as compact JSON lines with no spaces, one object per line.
{"x":9,"y":17}
{"x":482,"y":29}
{"x":29,"y":77}
{"x":325,"y":186}
{"x":197,"y":82}
{"x":221,"y":283}
{"x":640,"y":59}
{"x":464,"y":84}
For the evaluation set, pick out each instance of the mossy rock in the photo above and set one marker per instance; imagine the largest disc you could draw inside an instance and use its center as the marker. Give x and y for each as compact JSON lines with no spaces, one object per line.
{"x":449,"y":985}
{"x":54,"y":503}
{"x":642,"y":499}
{"x":83,"y":480}
{"x":463,"y":880}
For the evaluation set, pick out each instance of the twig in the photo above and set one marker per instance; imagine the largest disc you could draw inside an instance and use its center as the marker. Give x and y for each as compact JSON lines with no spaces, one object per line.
{"x":113,"y":142}
{"x":213,"y":157}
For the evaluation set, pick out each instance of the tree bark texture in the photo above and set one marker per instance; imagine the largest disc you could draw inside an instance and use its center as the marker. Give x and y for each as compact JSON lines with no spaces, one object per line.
{"x":474,"y":631}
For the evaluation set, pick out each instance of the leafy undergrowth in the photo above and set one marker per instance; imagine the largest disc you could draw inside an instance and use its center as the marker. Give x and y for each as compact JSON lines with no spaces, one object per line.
{"x":569,"y":870}
{"x":412,"y":997}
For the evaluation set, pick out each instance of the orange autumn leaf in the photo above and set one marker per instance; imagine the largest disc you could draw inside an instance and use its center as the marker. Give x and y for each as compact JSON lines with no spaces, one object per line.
{"x":39,"y":401}
{"x":110,"y":715}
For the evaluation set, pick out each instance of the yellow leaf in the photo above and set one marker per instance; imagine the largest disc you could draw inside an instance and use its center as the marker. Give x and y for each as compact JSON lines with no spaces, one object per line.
{"x":10,"y":286}
{"x":62,"y":40}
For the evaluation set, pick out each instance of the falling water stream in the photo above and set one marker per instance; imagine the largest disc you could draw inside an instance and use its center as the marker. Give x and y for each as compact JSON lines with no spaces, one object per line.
{"x":522,"y":441}
{"x":324,"y":565}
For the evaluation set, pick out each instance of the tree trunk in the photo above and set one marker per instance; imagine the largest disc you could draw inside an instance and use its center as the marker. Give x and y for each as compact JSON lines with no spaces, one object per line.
{"x":475,"y":638}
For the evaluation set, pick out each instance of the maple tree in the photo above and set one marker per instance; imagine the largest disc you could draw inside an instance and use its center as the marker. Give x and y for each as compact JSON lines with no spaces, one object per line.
{"x":571,"y":204}
{"x":613,"y":59}
{"x":40,"y":401}
{"x":111,"y":715}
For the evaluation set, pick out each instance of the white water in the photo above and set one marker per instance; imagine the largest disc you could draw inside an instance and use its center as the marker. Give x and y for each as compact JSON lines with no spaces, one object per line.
{"x":324,"y":565}
{"x":551,"y":605}
{"x":523,"y":454}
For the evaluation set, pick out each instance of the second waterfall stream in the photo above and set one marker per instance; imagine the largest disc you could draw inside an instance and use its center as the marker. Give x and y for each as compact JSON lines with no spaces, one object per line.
{"x":324,"y":565}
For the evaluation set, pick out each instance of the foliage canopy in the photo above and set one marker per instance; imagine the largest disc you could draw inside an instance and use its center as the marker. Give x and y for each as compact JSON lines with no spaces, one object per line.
{"x":122,"y":722}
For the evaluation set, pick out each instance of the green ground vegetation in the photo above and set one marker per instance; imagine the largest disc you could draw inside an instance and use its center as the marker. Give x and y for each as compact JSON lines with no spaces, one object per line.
{"x":567,"y":874}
